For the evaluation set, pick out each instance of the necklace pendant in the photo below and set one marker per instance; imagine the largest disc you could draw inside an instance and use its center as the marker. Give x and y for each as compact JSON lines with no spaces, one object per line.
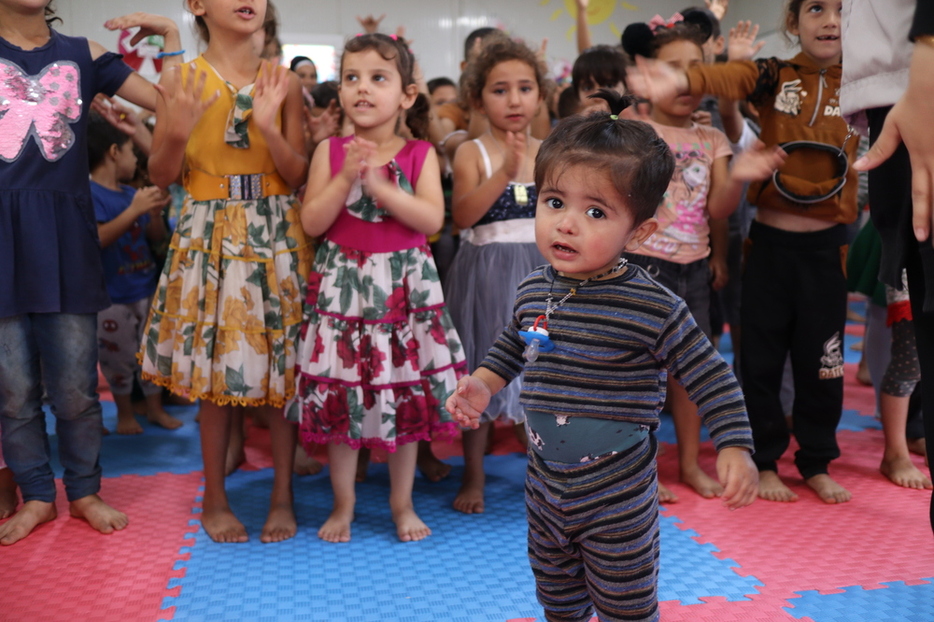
{"x":520,"y":194}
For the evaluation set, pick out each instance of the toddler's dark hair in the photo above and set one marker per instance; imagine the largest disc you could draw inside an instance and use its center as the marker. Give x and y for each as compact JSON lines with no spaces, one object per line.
{"x":499,"y":51}
{"x":479,"y":33}
{"x":324,"y":93}
{"x":101,"y":135}
{"x":601,"y":65}
{"x":568,"y":103}
{"x":640,"y":40}
{"x":436,"y":83}
{"x":630,"y":153}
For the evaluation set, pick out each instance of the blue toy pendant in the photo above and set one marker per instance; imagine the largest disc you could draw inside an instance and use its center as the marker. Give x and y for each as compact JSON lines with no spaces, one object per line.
{"x":536,"y":339}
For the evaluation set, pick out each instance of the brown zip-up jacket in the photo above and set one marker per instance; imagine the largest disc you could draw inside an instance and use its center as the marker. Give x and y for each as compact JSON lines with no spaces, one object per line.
{"x":797,"y":101}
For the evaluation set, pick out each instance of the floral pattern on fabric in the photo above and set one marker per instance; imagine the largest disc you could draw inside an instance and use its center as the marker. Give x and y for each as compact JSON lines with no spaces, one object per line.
{"x":227,"y":313}
{"x":378,"y":352}
{"x":235,"y":133}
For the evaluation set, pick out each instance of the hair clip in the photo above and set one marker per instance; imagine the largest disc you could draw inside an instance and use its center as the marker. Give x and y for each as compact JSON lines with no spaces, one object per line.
{"x":659,"y":22}
{"x":615,"y":117}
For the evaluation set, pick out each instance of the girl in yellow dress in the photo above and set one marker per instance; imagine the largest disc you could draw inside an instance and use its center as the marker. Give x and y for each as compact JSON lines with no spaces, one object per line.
{"x":226,"y":315}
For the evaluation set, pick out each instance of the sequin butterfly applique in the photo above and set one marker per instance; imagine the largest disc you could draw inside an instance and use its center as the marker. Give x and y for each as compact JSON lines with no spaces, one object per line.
{"x":42,"y":106}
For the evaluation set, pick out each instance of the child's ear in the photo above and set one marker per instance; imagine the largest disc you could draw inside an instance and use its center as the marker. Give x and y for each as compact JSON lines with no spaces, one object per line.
{"x":196,"y":7}
{"x":719,"y":45}
{"x":409,"y":94}
{"x":640,"y":234}
{"x":112,"y":151}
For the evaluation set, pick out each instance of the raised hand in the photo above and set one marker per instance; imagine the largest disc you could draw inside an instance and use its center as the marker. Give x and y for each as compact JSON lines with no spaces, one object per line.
{"x":270,"y":90}
{"x":514,"y":154}
{"x":718,"y":7}
{"x":184,"y":99}
{"x":370,"y":24}
{"x":655,"y":81}
{"x":118,"y":115}
{"x":324,"y":125}
{"x":151,"y":199}
{"x":148,"y":23}
{"x":757,"y":162}
{"x":357,"y":154}
{"x":742,"y":44}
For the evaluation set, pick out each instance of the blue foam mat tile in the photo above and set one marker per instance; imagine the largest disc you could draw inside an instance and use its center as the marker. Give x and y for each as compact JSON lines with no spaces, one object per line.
{"x":895,"y":601}
{"x":376,"y":577}
{"x":156,"y":450}
{"x":694,"y":571}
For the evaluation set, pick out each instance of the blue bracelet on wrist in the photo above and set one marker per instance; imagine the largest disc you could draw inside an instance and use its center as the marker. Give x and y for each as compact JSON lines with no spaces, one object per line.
{"x":164,"y":54}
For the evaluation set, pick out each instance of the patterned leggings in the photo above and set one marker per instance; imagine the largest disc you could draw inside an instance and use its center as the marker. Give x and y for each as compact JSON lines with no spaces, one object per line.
{"x":594,"y":535}
{"x":903,"y":372}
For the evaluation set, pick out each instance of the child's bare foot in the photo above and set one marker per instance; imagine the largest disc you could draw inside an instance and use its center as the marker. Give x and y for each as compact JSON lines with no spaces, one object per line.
{"x":772,"y":488}
{"x":164,"y":419}
{"x":235,"y":456}
{"x":917,"y":447}
{"x":706,"y":486}
{"x":305,"y":464}
{"x":665,"y":495}
{"x":337,"y":527}
{"x":30,"y":516}
{"x":409,"y":527}
{"x":904,"y":473}
{"x":127,"y":424}
{"x":98,"y":514}
{"x":222,"y":526}
{"x":469,"y":499}
{"x":431,"y":468}
{"x":8,"y":498}
{"x":280,"y":524}
{"x":827,"y":489}
{"x":363,"y":463}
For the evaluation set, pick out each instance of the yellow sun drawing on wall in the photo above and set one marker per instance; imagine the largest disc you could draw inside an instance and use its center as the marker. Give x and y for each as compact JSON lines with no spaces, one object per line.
{"x":598,"y":12}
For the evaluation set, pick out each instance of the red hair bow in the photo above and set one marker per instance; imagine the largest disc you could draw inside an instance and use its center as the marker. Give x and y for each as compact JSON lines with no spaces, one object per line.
{"x":659,"y":22}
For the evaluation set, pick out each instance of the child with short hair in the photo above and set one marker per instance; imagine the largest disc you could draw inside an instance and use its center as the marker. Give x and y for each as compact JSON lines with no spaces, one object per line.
{"x":596,"y":339}
{"x":127,"y":221}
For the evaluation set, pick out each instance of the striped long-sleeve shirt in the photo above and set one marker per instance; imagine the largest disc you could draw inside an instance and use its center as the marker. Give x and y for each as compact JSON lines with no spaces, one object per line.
{"x":616,"y":342}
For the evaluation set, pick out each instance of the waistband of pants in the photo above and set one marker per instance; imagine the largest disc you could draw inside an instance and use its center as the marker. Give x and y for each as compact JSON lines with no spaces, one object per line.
{"x":575,"y":440}
{"x":672,"y":267}
{"x":831,"y":237}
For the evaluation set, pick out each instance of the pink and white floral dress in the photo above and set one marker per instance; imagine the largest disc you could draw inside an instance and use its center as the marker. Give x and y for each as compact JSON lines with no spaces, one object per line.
{"x":378,"y":353}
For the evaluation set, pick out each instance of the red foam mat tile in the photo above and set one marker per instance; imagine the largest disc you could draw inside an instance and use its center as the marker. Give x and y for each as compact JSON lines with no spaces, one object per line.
{"x":67,"y":571}
{"x":880,"y":535}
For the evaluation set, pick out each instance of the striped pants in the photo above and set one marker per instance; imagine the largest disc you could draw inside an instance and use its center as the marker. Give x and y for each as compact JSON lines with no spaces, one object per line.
{"x":593,"y":535}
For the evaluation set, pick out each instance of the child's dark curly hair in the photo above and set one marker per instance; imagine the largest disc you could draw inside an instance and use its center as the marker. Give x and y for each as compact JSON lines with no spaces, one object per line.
{"x":496,"y":51}
{"x":630,"y":153}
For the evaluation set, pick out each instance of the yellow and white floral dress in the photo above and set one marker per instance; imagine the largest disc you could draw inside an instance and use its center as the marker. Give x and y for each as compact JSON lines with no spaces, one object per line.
{"x":226,"y":316}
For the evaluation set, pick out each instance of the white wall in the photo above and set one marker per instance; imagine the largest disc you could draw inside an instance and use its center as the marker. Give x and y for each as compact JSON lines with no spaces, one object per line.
{"x":437,"y":27}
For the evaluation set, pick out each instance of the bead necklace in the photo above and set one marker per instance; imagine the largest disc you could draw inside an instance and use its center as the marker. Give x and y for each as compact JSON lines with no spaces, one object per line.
{"x":536,"y":338}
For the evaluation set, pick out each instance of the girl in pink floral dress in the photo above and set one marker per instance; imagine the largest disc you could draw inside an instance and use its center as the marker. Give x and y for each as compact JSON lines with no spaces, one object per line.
{"x":378,"y":352}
